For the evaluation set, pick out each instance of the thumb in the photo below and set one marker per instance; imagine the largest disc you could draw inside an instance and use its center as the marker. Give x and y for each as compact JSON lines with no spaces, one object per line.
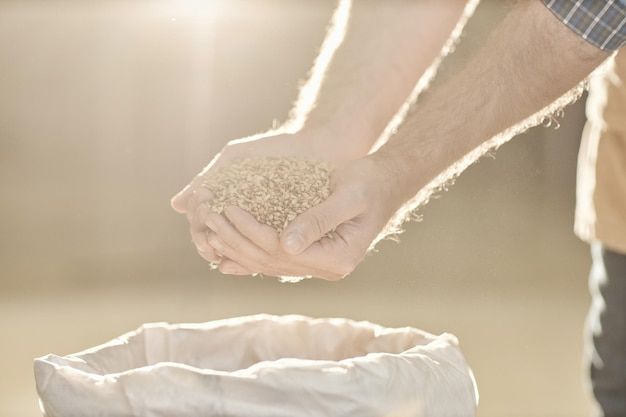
{"x":313,"y":224}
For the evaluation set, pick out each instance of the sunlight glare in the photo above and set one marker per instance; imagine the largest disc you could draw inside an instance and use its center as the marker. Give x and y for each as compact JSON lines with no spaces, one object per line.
{"x":191,"y":9}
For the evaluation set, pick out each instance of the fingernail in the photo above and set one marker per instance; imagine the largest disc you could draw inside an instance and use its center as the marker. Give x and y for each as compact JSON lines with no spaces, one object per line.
{"x":294,"y":243}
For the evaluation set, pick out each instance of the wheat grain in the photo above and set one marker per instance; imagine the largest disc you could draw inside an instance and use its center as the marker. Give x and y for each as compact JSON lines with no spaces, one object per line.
{"x":273,"y":189}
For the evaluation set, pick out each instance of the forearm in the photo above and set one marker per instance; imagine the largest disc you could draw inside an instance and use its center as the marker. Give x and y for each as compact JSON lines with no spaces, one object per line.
{"x":528,"y":61}
{"x":386,"y":48}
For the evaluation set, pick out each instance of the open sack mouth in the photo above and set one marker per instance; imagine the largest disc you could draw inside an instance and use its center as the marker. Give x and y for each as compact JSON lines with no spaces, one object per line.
{"x":262,"y":365}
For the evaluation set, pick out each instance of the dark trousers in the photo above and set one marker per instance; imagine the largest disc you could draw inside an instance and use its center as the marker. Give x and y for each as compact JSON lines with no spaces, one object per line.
{"x":606,"y":331}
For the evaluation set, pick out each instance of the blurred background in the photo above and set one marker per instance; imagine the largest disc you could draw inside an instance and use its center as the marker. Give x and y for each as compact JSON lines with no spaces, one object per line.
{"x":108,"y":108}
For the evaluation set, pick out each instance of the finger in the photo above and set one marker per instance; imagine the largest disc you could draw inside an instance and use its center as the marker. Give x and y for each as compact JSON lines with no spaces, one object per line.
{"x":318,"y":221}
{"x":197,"y":227}
{"x":200,"y":234}
{"x":199,"y":198}
{"x":230,"y":267}
{"x":265,"y":237}
{"x":179,"y":201}
{"x":339,"y":252}
{"x":228,"y":241}
{"x":260,"y":234}
{"x":211,"y":255}
{"x":233,"y":245}
{"x":208,"y":253}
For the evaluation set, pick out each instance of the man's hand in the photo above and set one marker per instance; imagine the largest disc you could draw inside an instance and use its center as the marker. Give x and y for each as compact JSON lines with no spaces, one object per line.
{"x":192,"y":200}
{"x":327,"y":241}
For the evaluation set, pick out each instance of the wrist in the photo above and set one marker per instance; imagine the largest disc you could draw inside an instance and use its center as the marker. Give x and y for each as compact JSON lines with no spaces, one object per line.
{"x":411,"y":162}
{"x":401,"y":184}
{"x":338,"y":142}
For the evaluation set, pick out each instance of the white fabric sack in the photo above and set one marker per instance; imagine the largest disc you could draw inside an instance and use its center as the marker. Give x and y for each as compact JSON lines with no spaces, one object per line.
{"x":262,"y":366}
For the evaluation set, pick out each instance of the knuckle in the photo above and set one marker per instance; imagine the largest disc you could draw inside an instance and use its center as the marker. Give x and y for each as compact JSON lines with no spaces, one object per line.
{"x":198,"y":239}
{"x":210,"y":255}
{"x":321,"y":223}
{"x":231,"y":242}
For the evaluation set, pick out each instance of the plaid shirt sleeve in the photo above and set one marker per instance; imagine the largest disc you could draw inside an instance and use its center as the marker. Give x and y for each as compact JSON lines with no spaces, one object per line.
{"x":600,"y":22}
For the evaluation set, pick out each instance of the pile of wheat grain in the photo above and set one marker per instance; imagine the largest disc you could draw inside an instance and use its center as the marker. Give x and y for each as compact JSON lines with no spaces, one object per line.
{"x":273,"y":189}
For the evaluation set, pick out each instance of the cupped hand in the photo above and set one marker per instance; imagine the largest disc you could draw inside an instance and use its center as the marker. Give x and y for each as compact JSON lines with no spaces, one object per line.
{"x":192,"y":199}
{"x":327,"y":241}
{"x":267,"y":144}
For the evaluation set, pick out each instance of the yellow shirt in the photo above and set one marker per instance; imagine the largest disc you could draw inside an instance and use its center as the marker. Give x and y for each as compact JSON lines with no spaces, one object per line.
{"x":601,"y":177}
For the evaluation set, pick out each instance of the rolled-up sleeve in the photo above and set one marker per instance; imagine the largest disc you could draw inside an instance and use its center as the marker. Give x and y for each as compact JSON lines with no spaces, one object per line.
{"x":600,"y":22}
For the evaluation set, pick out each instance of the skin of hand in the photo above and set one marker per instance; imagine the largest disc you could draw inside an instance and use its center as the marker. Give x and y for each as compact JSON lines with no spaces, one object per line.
{"x":531,"y":56}
{"x":192,"y":200}
{"x":359,"y":207}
